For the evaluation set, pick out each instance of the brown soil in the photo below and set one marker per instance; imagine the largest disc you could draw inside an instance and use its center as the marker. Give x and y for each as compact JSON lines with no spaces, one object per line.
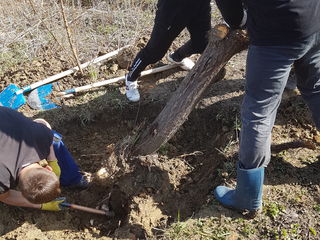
{"x":183,"y":172}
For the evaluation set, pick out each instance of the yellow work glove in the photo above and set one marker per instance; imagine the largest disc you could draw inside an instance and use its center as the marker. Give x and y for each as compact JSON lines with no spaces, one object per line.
{"x":53,"y":205}
{"x":55,"y":167}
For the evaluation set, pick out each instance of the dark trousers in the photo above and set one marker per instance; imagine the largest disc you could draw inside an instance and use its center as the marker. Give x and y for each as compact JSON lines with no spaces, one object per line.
{"x":268,"y":68}
{"x":70,"y":172}
{"x":171,"y":18}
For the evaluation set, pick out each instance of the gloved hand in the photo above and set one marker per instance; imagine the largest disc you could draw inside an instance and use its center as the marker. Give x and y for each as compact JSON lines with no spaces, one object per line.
{"x":55,"y":167}
{"x":53,"y":205}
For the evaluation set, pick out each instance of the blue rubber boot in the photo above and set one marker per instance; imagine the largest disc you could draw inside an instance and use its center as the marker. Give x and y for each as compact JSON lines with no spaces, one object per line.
{"x":70,"y":172}
{"x":248,"y":192}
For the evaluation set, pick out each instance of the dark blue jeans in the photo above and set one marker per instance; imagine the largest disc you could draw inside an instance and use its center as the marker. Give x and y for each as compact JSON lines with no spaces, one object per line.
{"x":70,"y":172}
{"x":267,"y":70}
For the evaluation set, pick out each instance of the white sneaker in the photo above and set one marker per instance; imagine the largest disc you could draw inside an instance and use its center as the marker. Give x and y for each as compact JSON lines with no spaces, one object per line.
{"x":186,"y":63}
{"x":132,"y":91}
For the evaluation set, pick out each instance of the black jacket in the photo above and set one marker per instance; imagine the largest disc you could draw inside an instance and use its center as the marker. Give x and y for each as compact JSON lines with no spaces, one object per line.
{"x":170,"y":9}
{"x":274,"y":22}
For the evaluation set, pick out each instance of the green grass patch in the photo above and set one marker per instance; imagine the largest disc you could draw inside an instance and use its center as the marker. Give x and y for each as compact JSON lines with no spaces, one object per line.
{"x":198,"y":229}
{"x":14,"y":55}
{"x":273,"y":210}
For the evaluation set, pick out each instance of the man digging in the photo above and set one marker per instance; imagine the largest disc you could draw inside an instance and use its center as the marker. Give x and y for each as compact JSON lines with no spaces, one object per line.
{"x":31,"y":155}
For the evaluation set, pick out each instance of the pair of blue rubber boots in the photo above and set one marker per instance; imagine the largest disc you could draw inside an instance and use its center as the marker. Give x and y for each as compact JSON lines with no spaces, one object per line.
{"x":70,"y":173}
{"x":247,"y":196}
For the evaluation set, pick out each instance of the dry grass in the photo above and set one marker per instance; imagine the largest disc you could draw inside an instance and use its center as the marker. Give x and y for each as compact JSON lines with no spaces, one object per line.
{"x":31,"y":27}
{"x":28,"y":27}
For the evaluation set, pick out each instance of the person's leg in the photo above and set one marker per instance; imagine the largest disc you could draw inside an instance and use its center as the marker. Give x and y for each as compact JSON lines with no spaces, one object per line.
{"x":166,"y":28}
{"x":308,"y":77}
{"x":180,"y":56}
{"x":70,"y":172}
{"x":268,"y":69}
{"x":186,"y":50}
{"x":198,"y":27}
{"x":160,"y":40}
{"x":267,"y":73}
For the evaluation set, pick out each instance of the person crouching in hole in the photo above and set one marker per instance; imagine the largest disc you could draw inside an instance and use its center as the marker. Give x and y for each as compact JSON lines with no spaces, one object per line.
{"x":34,"y":163}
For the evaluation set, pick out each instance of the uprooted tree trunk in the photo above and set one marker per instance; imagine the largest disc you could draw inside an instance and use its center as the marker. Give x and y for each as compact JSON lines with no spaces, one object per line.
{"x":218,"y":52}
{"x":223,"y":45}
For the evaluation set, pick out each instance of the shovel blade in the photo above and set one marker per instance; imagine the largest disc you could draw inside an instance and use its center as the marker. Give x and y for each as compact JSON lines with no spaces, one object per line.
{"x":9,"y":97}
{"x":39,"y":98}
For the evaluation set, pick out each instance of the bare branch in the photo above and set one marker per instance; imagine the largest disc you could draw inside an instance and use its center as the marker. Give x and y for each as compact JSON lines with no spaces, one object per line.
{"x":74,"y":51}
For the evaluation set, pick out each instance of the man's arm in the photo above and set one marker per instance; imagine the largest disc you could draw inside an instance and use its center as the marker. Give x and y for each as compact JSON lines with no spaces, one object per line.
{"x":15,"y":198}
{"x":52,"y":159}
{"x":233,"y":12}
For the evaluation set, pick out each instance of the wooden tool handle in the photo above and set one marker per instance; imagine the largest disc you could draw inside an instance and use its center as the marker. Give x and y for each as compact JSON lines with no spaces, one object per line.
{"x":70,"y":92}
{"x":86,"y":209}
{"x":70,"y":71}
